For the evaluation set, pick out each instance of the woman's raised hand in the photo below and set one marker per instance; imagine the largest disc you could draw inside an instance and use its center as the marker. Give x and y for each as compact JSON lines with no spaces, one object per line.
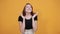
{"x":22,"y":16}
{"x":35,"y":14}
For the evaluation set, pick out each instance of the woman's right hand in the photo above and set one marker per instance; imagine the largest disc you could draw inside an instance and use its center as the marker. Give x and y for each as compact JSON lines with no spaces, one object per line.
{"x":23,"y":25}
{"x":22,"y":16}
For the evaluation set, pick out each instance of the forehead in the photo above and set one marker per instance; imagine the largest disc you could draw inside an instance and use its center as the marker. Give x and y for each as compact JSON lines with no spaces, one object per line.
{"x":28,"y":5}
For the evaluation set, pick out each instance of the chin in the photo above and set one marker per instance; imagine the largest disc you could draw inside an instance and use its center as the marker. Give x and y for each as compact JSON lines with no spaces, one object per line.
{"x":29,"y":11}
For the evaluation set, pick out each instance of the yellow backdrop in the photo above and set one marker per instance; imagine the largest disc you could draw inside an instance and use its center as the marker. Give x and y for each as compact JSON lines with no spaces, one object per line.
{"x":48,"y":17}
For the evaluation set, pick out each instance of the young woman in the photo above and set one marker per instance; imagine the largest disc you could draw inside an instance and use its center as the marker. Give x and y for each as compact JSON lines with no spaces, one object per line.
{"x":28,"y":20}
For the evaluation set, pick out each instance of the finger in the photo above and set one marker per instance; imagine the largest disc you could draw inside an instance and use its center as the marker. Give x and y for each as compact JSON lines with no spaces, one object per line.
{"x":34,"y":15}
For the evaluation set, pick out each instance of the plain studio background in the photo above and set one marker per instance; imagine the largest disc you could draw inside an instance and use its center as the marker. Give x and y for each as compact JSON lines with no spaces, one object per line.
{"x":48,"y":17}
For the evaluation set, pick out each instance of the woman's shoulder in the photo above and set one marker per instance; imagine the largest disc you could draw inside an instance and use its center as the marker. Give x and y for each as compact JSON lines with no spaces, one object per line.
{"x":19,"y":15}
{"x":20,"y":18}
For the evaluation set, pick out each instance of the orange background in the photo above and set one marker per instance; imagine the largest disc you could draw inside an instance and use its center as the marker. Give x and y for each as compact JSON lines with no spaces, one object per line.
{"x":48,"y":17}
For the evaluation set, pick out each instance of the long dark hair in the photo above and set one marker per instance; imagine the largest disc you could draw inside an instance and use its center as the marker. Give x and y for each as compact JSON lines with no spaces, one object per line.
{"x":24,"y":12}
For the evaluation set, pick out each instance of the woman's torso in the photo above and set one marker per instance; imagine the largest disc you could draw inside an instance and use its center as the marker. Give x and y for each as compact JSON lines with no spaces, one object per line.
{"x":28,"y":22}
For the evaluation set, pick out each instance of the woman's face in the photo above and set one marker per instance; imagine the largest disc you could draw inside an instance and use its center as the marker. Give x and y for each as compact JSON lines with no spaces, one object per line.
{"x":28,"y":8}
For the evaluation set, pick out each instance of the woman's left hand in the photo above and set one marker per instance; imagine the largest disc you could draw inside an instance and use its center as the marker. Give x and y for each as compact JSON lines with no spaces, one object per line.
{"x":35,"y":15}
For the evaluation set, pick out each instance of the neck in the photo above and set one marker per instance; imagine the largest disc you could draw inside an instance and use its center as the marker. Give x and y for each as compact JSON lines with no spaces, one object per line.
{"x":28,"y":13}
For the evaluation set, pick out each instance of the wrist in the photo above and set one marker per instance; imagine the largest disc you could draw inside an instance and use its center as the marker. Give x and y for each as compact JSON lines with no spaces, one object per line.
{"x":32,"y":18}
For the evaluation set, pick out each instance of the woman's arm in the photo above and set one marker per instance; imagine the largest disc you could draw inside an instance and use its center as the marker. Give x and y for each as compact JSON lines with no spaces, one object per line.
{"x":34,"y":23}
{"x":22,"y":25}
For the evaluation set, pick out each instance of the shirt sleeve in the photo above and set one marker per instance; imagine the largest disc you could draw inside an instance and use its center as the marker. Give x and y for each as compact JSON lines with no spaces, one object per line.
{"x":20,"y":19}
{"x":35,"y":18}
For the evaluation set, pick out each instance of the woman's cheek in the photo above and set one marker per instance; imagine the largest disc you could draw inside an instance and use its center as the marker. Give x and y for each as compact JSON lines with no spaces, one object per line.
{"x":28,"y":10}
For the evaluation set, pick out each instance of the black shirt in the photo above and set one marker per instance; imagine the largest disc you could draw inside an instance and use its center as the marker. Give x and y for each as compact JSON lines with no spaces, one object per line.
{"x":28,"y":22}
